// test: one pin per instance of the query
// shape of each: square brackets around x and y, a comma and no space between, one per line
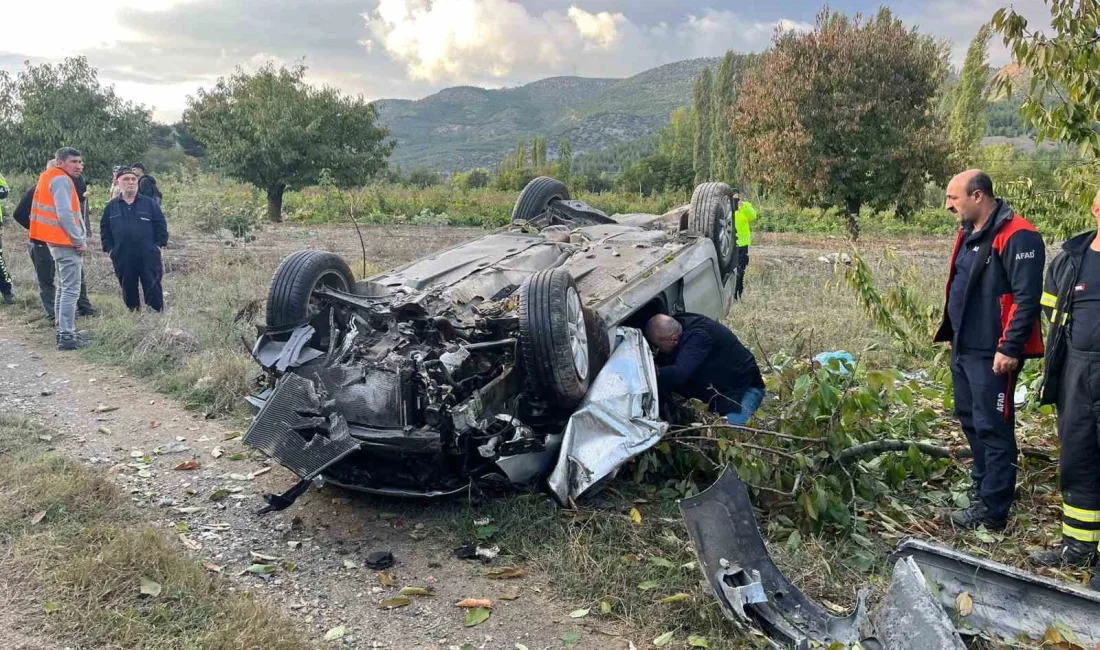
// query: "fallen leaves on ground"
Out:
[194,545]
[51,606]
[263,557]
[103,408]
[261,569]
[476,616]
[416,591]
[513,594]
[698,642]
[386,578]
[635,516]
[570,639]
[649,584]
[149,588]
[605,607]
[674,598]
[187,465]
[506,573]
[210,566]
[396,601]
[37,519]
[664,639]
[336,633]
[964,604]
[578,613]
[475,602]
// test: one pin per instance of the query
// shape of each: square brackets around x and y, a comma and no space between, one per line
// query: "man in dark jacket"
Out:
[132,230]
[1071,381]
[43,263]
[147,185]
[990,320]
[5,279]
[705,361]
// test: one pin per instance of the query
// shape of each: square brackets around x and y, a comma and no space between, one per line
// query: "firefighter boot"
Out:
[1072,553]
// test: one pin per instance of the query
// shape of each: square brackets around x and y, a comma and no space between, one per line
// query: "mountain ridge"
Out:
[462,127]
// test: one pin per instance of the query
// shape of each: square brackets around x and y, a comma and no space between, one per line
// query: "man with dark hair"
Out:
[39,253]
[990,320]
[56,220]
[1071,300]
[147,185]
[705,361]
[132,230]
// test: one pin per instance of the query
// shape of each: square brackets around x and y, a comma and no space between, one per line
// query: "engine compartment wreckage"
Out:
[918,612]
[515,358]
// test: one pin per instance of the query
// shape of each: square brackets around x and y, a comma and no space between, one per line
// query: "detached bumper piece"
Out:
[751,590]
[1008,604]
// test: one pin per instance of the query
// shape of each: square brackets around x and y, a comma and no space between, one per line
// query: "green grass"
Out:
[76,553]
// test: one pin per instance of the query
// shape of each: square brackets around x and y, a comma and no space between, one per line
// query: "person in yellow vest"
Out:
[742,219]
[56,219]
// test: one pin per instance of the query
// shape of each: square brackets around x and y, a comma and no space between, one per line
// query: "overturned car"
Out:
[469,363]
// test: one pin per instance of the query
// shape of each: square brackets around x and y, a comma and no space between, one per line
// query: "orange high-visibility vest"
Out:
[45,226]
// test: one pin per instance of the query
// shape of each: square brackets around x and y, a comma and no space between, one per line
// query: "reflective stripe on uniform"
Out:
[1054,316]
[41,207]
[1080,534]
[1080,514]
[1048,299]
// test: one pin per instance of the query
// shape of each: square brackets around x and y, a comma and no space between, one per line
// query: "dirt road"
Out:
[111,422]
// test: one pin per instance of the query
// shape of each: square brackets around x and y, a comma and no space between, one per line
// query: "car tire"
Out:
[536,197]
[288,299]
[553,338]
[711,216]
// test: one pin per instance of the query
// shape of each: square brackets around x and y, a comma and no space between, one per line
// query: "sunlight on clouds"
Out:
[600,29]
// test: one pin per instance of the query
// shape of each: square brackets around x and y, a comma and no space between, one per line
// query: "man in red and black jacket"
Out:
[991,321]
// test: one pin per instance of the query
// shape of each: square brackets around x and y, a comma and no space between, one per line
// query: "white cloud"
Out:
[600,29]
[485,41]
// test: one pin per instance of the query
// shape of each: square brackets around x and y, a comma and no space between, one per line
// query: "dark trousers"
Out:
[5,279]
[742,264]
[139,267]
[44,269]
[1079,434]
[984,406]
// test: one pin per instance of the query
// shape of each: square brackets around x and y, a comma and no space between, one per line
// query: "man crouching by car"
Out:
[701,359]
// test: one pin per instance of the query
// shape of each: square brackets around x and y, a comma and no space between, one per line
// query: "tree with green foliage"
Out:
[703,108]
[1065,64]
[676,140]
[272,130]
[876,140]
[538,154]
[48,106]
[723,166]
[967,124]
[565,159]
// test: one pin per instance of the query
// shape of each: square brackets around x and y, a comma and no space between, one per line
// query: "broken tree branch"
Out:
[762,432]
[883,446]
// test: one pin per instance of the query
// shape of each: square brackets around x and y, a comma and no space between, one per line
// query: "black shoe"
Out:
[71,342]
[88,312]
[1072,553]
[9,299]
[976,516]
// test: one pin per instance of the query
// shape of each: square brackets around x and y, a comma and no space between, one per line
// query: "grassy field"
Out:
[795,306]
[81,565]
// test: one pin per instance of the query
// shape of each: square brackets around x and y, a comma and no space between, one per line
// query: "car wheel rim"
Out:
[726,230]
[578,337]
[331,280]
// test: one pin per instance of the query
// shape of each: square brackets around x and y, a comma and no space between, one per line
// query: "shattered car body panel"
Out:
[617,420]
[752,591]
[423,365]
[1008,604]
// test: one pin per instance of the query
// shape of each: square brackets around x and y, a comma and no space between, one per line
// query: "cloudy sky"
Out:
[156,52]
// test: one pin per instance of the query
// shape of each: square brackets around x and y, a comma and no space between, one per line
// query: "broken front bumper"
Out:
[1008,604]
